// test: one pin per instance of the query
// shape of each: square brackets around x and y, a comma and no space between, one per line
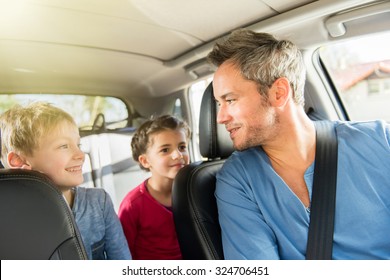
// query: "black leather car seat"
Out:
[193,202]
[36,222]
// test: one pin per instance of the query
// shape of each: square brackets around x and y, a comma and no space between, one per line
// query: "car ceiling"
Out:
[142,48]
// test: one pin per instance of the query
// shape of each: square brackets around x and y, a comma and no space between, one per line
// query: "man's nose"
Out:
[222,116]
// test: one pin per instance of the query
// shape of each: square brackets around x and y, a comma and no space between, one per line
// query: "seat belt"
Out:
[322,209]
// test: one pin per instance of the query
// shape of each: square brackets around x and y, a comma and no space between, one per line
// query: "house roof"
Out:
[348,77]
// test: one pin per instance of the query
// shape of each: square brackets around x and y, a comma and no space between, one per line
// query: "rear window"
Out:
[360,71]
[86,110]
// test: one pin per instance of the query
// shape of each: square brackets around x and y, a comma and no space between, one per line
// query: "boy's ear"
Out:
[142,159]
[16,161]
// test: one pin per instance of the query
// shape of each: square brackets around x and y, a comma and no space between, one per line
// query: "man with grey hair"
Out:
[264,189]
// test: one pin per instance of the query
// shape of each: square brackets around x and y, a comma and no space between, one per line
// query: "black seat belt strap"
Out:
[322,209]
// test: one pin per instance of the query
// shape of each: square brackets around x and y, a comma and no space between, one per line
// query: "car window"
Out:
[195,92]
[360,71]
[84,109]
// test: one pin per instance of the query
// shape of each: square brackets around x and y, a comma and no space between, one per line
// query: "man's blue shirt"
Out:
[261,218]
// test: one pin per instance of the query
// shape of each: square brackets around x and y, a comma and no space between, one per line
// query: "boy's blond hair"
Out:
[22,128]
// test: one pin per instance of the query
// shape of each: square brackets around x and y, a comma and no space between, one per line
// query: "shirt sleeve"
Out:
[116,245]
[245,234]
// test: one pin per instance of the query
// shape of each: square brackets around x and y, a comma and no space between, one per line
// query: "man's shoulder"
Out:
[243,159]
[367,138]
[374,127]
[245,154]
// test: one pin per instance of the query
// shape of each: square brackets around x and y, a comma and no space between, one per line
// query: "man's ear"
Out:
[15,160]
[143,160]
[280,92]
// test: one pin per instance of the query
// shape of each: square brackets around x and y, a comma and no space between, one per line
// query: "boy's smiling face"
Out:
[59,156]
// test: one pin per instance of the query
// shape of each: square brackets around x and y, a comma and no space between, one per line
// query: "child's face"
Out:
[59,156]
[167,154]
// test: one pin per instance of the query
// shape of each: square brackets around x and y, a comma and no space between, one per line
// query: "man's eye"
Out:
[230,101]
[65,146]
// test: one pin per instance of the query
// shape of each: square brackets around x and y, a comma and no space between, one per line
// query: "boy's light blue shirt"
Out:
[99,225]
[261,218]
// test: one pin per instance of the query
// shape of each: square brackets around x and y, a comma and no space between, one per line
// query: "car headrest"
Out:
[214,139]
[36,221]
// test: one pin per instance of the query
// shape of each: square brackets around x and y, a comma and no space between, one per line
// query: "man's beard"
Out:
[258,136]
